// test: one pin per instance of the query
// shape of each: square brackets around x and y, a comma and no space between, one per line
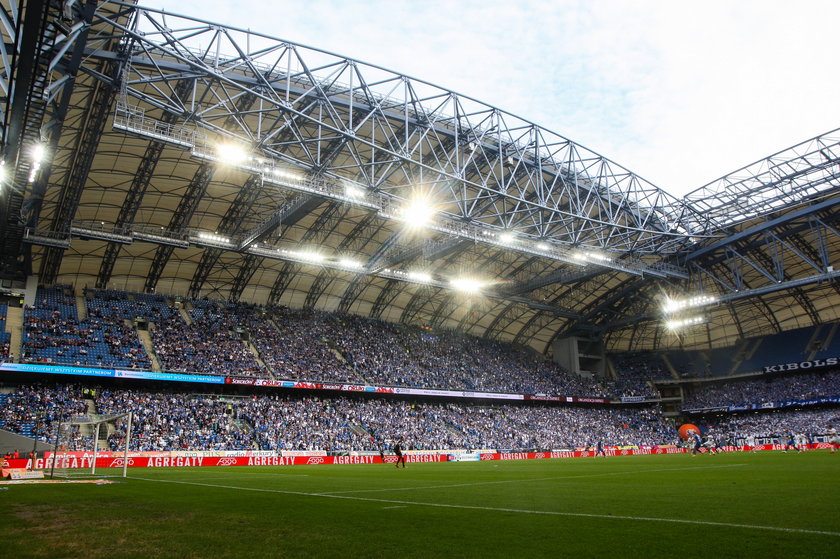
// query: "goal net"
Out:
[91,445]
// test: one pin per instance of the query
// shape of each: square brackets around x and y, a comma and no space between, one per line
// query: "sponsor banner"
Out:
[632,399]
[55,369]
[176,377]
[303,453]
[569,399]
[766,405]
[79,454]
[21,473]
[240,381]
[803,365]
[543,398]
[458,394]
[465,457]
[71,462]
[243,381]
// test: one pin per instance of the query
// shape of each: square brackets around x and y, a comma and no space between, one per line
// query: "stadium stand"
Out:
[53,333]
[773,424]
[184,421]
[766,389]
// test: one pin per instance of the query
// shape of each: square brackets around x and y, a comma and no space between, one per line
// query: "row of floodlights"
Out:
[37,153]
[463,284]
[672,306]
[685,322]
[418,212]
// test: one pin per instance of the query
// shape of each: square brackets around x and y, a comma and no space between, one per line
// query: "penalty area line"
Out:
[508,510]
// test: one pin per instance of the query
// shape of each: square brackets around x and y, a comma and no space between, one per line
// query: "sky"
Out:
[680,93]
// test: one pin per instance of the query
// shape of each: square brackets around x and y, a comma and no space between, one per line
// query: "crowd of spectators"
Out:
[803,386]
[213,343]
[772,424]
[167,421]
[288,344]
[339,347]
[34,410]
[634,373]
[180,421]
[53,333]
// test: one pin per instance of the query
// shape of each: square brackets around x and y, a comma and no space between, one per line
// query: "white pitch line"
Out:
[502,509]
[395,507]
[524,480]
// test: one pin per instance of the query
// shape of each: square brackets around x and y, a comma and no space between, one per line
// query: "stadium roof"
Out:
[194,159]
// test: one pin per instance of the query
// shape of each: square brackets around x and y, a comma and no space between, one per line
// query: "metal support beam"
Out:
[180,219]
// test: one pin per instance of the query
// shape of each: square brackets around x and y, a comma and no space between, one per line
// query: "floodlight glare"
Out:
[543,246]
[38,153]
[313,257]
[420,277]
[466,285]
[348,263]
[353,192]
[671,306]
[231,154]
[507,237]
[418,212]
[685,322]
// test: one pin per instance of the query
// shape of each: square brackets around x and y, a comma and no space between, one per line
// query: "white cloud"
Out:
[679,92]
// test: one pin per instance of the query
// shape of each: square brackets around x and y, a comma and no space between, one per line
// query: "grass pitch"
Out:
[733,505]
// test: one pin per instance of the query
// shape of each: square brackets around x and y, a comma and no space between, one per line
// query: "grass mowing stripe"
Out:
[508,510]
[471,484]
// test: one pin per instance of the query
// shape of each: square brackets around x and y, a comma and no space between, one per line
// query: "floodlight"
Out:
[671,306]
[507,237]
[543,246]
[215,237]
[685,322]
[348,263]
[418,212]
[39,152]
[467,285]
[231,154]
[420,277]
[310,256]
[353,192]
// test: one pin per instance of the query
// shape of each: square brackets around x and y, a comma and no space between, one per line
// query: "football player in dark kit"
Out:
[400,457]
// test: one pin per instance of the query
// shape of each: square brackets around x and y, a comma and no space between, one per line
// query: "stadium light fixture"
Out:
[590,256]
[507,238]
[311,256]
[231,153]
[466,285]
[418,212]
[353,192]
[543,246]
[215,237]
[39,153]
[672,306]
[420,277]
[350,263]
[685,322]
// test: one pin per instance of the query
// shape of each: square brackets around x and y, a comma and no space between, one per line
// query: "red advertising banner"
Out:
[85,460]
[74,462]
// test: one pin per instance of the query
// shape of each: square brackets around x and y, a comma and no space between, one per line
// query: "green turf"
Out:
[735,505]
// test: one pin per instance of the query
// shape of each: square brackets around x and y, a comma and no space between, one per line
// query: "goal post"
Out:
[81,439]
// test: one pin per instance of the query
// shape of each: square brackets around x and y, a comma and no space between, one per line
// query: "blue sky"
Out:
[680,93]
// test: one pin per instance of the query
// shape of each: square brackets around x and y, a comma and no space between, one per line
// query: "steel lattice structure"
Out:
[133,104]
